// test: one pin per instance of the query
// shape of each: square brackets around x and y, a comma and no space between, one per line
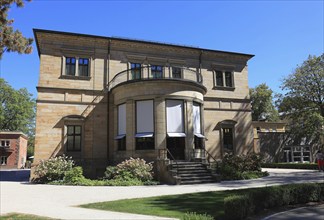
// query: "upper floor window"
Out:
[74,137]
[156,71]
[136,70]
[176,72]
[224,79]
[70,66]
[219,78]
[83,67]
[75,66]
[5,143]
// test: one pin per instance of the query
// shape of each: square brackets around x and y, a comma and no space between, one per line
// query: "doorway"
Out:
[176,146]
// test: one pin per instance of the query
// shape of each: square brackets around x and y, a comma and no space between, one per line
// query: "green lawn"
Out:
[17,216]
[174,206]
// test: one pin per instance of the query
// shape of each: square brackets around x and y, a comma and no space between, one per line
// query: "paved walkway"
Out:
[60,201]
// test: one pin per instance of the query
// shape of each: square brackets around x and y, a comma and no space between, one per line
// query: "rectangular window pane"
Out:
[156,71]
[122,144]
[83,67]
[175,116]
[144,116]
[70,143]
[219,78]
[176,72]
[77,143]
[228,79]
[136,70]
[122,119]
[77,129]
[70,130]
[196,119]
[70,66]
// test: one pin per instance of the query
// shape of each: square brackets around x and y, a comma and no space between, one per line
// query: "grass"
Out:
[18,216]
[174,206]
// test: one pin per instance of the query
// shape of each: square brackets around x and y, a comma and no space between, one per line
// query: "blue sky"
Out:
[281,34]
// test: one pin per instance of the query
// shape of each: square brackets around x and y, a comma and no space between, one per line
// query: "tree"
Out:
[17,109]
[303,103]
[10,40]
[262,105]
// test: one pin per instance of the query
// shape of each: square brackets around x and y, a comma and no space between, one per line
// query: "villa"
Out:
[104,99]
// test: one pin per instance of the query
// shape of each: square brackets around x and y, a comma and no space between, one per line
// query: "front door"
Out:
[176,146]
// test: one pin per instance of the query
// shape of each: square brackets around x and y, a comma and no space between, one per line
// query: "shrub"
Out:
[53,169]
[237,206]
[131,169]
[237,167]
[75,177]
[195,216]
[256,200]
[308,166]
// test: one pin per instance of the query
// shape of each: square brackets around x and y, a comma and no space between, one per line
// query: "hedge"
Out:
[308,166]
[256,200]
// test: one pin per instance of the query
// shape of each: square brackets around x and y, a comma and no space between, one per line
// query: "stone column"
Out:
[130,128]
[189,129]
[160,124]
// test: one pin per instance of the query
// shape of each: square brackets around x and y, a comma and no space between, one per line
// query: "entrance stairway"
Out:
[192,173]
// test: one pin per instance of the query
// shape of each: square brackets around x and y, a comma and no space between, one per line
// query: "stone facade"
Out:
[217,81]
[13,149]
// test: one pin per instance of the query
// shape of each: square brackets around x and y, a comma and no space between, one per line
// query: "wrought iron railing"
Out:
[165,153]
[206,155]
[153,73]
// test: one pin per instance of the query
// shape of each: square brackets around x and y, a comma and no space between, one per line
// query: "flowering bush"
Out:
[235,167]
[131,169]
[53,169]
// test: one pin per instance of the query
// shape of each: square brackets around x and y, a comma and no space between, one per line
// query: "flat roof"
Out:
[35,30]
[14,133]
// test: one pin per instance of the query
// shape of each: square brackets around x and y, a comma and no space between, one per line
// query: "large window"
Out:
[144,125]
[224,79]
[136,70]
[156,71]
[3,160]
[175,129]
[75,66]
[199,137]
[4,143]
[228,138]
[121,137]
[74,135]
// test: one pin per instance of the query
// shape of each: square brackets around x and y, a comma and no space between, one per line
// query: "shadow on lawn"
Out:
[211,203]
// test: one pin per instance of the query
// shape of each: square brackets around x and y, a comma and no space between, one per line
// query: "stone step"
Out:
[187,182]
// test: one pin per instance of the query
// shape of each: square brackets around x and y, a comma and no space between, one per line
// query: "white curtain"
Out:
[175,116]
[144,117]
[196,118]
[122,119]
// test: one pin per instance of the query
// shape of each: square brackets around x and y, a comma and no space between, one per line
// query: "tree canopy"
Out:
[262,105]
[17,109]
[12,40]
[303,103]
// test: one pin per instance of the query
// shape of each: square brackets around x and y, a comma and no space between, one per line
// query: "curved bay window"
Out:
[136,70]
[198,136]
[121,137]
[144,125]
[175,129]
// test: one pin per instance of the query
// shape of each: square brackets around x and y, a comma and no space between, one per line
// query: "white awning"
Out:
[176,135]
[142,135]
[200,135]
[120,136]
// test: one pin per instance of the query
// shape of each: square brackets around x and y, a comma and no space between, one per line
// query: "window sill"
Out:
[75,77]
[224,88]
